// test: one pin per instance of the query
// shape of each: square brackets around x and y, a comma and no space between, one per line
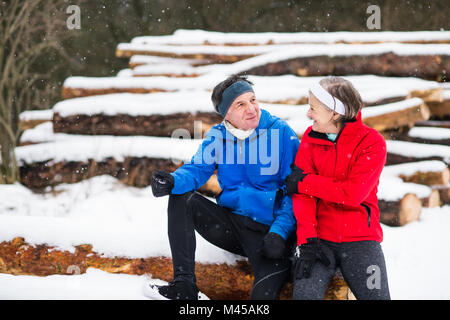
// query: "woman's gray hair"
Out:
[346,92]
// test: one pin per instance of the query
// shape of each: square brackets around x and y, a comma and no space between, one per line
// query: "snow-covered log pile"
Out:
[121,126]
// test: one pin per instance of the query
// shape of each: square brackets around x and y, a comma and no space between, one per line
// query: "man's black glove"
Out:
[274,246]
[306,257]
[162,183]
[293,179]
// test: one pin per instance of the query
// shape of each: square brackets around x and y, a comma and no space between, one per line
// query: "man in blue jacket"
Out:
[252,152]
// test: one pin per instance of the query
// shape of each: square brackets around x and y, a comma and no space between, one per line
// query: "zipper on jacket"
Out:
[367,208]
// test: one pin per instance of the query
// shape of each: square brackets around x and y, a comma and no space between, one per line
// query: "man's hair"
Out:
[346,92]
[216,96]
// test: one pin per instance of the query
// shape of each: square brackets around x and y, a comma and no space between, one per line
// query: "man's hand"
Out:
[293,179]
[306,257]
[274,246]
[162,183]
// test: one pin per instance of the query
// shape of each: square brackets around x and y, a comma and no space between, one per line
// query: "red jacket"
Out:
[338,198]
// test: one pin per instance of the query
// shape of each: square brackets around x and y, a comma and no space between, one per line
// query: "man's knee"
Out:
[181,202]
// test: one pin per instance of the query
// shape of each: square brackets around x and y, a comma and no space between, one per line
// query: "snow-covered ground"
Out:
[133,224]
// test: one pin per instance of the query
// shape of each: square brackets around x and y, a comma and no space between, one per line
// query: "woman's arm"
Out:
[305,206]
[362,178]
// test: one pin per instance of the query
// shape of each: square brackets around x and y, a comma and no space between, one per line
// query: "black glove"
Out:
[293,179]
[274,246]
[306,257]
[162,183]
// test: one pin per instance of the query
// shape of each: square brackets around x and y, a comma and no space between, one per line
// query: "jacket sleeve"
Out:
[362,178]
[195,174]
[305,206]
[284,220]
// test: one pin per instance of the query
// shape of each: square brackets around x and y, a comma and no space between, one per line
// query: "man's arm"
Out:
[195,174]
[284,220]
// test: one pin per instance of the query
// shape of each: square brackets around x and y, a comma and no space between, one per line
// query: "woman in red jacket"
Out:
[334,185]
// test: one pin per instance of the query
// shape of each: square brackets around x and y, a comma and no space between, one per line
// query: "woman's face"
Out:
[324,118]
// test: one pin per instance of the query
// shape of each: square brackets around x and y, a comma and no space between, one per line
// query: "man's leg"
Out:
[314,287]
[364,269]
[270,274]
[191,211]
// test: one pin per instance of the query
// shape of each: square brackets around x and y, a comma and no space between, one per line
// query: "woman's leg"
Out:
[364,269]
[314,287]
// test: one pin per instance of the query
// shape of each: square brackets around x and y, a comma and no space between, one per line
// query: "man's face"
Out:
[244,112]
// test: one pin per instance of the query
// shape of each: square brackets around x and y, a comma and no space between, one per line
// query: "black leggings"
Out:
[363,268]
[232,232]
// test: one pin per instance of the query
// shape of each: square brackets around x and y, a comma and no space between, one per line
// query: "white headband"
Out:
[327,99]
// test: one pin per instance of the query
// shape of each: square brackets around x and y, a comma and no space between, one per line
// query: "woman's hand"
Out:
[293,179]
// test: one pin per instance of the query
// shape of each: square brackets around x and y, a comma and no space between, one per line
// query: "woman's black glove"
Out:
[162,183]
[306,257]
[274,246]
[293,179]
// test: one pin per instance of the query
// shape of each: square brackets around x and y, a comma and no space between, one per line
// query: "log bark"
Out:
[214,58]
[125,125]
[399,213]
[217,281]
[444,193]
[430,67]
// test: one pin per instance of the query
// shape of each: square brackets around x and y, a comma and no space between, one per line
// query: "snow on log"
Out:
[199,37]
[428,135]
[397,114]
[277,89]
[30,119]
[401,202]
[402,151]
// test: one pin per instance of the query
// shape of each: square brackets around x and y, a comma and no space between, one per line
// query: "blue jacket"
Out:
[249,171]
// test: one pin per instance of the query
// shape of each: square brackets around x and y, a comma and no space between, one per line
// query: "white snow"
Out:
[36,115]
[429,133]
[268,89]
[391,107]
[392,188]
[184,36]
[418,150]
[126,221]
[84,147]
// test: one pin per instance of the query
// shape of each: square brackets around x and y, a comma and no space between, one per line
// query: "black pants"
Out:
[231,232]
[363,268]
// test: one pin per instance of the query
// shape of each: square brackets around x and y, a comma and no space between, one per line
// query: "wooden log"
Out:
[217,281]
[396,115]
[444,193]
[432,201]
[426,135]
[440,109]
[399,213]
[403,151]
[124,124]
[431,67]
[433,123]
[423,172]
